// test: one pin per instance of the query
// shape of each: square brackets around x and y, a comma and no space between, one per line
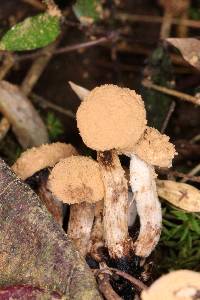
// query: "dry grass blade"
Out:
[189,48]
[180,194]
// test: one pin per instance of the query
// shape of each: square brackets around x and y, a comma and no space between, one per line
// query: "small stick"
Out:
[168,116]
[45,103]
[154,19]
[37,68]
[68,48]
[106,288]
[194,171]
[181,175]
[6,66]
[171,92]
[136,282]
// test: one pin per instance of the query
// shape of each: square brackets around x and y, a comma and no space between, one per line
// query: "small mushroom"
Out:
[33,166]
[77,181]
[113,120]
[177,285]
[153,149]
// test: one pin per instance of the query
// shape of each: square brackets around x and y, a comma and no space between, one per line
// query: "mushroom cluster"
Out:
[112,121]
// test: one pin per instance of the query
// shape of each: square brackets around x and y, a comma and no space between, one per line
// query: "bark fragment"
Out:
[34,250]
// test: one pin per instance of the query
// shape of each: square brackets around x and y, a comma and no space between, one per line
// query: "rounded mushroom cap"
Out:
[111,117]
[155,148]
[177,285]
[76,179]
[38,158]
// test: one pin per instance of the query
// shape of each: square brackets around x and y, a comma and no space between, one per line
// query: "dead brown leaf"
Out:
[189,48]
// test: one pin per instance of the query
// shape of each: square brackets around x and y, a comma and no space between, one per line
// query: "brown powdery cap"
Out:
[76,179]
[155,148]
[177,285]
[38,158]
[111,117]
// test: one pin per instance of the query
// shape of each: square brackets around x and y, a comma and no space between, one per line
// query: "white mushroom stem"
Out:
[115,205]
[80,225]
[142,180]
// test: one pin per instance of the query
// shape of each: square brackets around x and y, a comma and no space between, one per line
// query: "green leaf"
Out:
[88,11]
[54,126]
[34,32]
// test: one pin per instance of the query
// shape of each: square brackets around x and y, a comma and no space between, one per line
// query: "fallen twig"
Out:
[154,19]
[187,177]
[8,62]
[194,171]
[135,282]
[47,104]
[38,67]
[171,92]
[69,48]
[106,288]
[168,116]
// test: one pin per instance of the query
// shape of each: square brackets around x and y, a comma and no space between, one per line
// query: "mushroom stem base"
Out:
[80,225]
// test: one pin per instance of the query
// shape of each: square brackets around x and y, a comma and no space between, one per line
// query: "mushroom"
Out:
[153,149]
[76,180]
[33,167]
[177,285]
[112,120]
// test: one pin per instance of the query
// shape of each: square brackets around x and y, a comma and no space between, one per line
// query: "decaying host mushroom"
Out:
[77,181]
[110,118]
[33,166]
[177,285]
